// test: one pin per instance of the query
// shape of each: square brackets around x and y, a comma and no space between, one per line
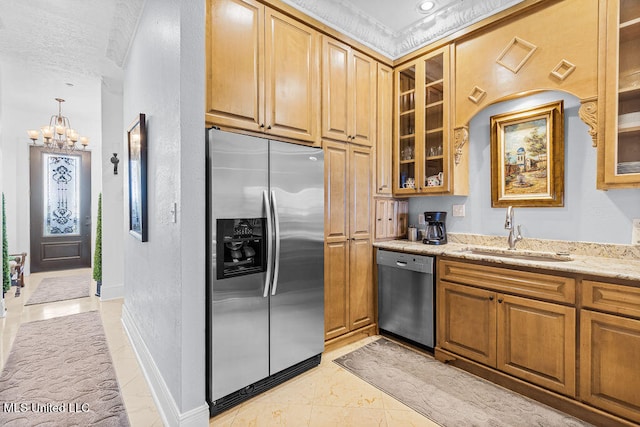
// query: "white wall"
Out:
[164,278]
[28,102]
[113,214]
[588,214]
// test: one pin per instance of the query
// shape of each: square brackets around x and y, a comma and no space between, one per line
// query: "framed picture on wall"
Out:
[527,157]
[137,148]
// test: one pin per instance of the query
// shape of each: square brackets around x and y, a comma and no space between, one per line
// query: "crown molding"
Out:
[450,16]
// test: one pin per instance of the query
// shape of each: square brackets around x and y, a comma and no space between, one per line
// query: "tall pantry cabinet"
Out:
[348,260]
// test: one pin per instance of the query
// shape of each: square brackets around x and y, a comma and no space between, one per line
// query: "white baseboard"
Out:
[169,412]
[109,292]
[2,308]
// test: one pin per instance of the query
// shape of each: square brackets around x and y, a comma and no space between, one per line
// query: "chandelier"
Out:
[59,136]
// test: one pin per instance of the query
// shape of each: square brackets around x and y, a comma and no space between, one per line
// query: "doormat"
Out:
[446,395]
[53,289]
[60,373]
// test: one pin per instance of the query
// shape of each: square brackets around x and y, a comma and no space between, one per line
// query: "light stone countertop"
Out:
[625,267]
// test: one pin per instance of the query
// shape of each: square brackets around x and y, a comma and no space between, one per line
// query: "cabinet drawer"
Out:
[612,298]
[542,286]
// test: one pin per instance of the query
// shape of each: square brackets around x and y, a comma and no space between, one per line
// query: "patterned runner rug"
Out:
[60,288]
[59,373]
[445,394]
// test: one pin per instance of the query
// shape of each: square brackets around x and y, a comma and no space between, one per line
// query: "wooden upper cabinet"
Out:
[424,157]
[619,150]
[292,85]
[235,69]
[349,94]
[384,141]
[263,71]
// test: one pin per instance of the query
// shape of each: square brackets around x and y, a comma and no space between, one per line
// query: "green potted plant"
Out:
[97,256]
[6,277]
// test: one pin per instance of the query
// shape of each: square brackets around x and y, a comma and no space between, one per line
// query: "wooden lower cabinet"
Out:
[610,363]
[529,339]
[537,342]
[467,321]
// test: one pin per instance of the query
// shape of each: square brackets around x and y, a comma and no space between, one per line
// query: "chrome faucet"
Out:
[509,225]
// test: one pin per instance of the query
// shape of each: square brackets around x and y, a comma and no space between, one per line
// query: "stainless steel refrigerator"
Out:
[265,279]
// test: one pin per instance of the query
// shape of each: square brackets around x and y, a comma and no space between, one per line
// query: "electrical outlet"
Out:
[635,232]
[421,220]
[458,210]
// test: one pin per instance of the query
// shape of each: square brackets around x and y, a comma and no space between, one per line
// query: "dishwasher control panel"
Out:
[419,263]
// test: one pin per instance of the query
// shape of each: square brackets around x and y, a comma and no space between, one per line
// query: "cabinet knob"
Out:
[490,297]
[269,127]
[500,300]
[262,125]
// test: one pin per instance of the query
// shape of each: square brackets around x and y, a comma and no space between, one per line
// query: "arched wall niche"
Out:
[531,53]
[587,113]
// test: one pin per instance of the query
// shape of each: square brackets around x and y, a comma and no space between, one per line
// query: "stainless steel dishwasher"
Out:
[406,296]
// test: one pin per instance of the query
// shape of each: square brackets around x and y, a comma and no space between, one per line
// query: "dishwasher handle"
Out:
[404,261]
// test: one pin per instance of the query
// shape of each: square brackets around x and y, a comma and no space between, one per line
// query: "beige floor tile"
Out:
[407,418]
[141,408]
[332,416]
[324,396]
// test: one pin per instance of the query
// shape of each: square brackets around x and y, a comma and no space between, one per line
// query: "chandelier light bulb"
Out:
[59,136]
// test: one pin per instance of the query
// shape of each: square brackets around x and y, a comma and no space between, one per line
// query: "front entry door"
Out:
[60,210]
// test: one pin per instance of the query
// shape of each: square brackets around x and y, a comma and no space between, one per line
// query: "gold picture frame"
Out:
[527,157]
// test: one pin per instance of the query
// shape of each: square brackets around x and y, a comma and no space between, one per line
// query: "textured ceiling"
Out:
[395,27]
[92,37]
[87,37]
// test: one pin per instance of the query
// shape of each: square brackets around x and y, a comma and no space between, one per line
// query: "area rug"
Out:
[59,373]
[53,289]
[446,395]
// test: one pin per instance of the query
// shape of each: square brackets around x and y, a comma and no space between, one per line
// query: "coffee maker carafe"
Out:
[436,232]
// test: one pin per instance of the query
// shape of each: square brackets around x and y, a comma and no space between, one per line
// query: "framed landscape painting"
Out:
[527,157]
[137,147]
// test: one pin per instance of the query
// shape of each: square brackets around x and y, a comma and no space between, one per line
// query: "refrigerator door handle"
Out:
[267,208]
[276,221]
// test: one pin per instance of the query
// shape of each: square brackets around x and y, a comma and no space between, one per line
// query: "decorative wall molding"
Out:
[460,137]
[450,16]
[477,94]
[516,54]
[588,112]
[563,69]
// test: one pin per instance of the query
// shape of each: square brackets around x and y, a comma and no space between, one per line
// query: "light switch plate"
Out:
[458,210]
[421,220]
[635,233]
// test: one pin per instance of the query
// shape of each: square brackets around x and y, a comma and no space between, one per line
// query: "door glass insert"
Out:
[241,247]
[61,195]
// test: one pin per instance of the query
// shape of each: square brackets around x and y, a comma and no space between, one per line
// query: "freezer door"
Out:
[297,296]
[238,310]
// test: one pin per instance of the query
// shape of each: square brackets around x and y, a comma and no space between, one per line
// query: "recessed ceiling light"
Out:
[425,6]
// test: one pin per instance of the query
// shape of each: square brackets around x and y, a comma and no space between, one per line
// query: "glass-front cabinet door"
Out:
[407,168]
[421,143]
[435,126]
[622,96]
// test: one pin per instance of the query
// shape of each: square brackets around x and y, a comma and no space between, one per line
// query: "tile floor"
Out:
[141,408]
[324,396]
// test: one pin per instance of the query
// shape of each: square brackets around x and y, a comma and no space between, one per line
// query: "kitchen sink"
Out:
[521,254]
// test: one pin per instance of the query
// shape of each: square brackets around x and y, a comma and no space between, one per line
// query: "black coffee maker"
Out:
[436,232]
